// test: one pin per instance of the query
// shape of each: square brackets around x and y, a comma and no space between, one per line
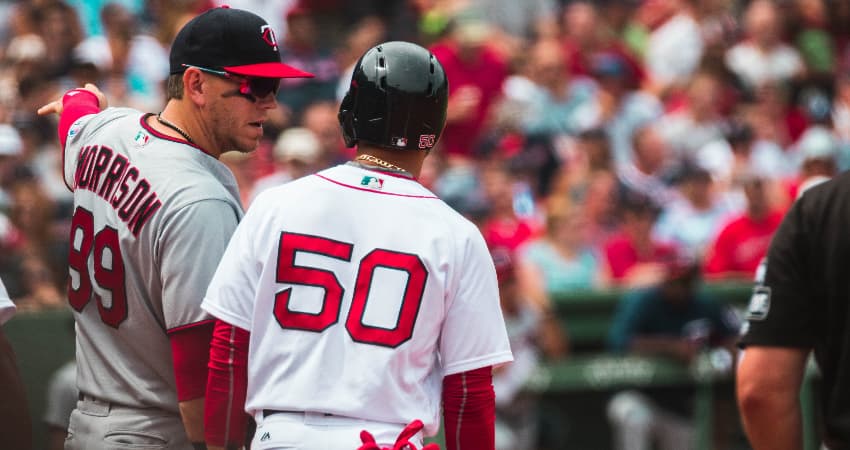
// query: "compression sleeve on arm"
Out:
[224,416]
[190,351]
[469,410]
[76,103]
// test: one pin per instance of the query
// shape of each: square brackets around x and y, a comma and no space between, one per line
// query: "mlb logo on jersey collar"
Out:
[372,182]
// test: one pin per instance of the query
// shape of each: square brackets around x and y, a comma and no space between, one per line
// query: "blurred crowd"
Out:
[591,139]
[593,142]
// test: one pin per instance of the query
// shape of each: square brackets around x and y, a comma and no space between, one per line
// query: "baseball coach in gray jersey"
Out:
[153,211]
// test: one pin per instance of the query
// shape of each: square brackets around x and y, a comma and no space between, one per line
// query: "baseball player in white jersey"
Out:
[153,211]
[360,298]
[15,427]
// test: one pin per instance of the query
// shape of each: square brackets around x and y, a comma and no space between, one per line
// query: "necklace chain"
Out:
[179,130]
[378,161]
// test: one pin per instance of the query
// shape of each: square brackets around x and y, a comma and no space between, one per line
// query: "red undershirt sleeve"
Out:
[469,410]
[76,103]
[190,351]
[225,419]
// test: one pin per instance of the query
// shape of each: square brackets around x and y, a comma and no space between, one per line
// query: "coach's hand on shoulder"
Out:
[55,107]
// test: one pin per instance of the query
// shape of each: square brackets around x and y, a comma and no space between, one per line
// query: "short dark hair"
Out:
[174,87]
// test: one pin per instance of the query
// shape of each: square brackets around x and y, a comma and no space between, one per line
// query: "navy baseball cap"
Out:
[233,41]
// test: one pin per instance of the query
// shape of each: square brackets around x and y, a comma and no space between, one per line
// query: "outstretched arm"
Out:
[74,104]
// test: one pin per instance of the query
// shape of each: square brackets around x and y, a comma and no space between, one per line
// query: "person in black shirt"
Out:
[800,304]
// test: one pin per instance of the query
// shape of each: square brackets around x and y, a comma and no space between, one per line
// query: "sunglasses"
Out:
[253,89]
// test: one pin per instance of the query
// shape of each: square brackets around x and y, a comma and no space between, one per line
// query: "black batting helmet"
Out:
[397,98]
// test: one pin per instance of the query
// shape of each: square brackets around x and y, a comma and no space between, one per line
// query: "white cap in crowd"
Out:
[297,144]
[10,141]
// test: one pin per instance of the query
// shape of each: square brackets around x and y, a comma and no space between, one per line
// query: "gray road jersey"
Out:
[152,217]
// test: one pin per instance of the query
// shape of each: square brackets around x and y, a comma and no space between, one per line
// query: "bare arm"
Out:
[15,426]
[768,389]
[554,340]
[57,107]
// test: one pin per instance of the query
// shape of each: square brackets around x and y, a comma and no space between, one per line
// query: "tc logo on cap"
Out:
[268,36]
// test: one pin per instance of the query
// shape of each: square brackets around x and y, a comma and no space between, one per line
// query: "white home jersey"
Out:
[152,216]
[361,291]
[7,308]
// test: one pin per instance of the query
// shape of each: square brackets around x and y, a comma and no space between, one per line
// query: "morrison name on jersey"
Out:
[111,176]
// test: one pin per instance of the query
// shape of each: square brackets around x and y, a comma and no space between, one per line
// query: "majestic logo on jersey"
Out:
[427,140]
[268,36]
[372,182]
[759,303]
[266,436]
[75,128]
[142,138]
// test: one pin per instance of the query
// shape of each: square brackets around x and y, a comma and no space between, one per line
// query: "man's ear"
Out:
[193,86]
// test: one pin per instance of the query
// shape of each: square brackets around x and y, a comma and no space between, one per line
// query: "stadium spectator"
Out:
[559,105]
[743,241]
[477,72]
[649,171]
[762,57]
[691,220]
[818,150]
[633,257]
[302,46]
[534,336]
[320,118]
[586,36]
[671,319]
[812,38]
[623,109]
[134,62]
[503,228]
[559,261]
[521,22]
[296,153]
[589,154]
[697,122]
[674,48]
[59,27]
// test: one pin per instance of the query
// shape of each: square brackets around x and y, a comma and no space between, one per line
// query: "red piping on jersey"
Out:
[374,191]
[144,122]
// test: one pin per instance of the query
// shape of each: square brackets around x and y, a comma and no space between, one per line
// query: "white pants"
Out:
[98,425]
[317,431]
[637,422]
